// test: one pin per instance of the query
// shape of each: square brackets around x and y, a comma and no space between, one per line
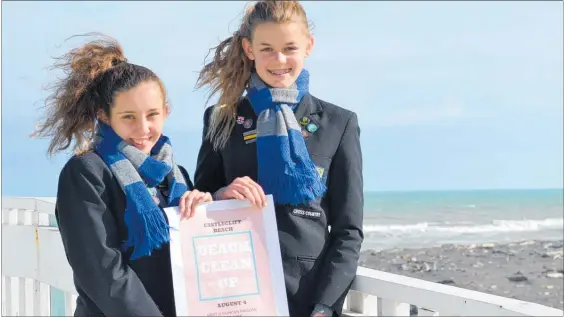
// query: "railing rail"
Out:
[37,279]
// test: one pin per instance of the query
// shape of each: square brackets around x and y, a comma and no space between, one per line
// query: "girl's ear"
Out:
[103,117]
[309,46]
[166,110]
[248,49]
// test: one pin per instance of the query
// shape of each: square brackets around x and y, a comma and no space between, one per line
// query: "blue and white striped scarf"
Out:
[138,174]
[285,168]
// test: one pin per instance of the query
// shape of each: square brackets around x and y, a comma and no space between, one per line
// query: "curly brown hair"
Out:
[229,71]
[94,74]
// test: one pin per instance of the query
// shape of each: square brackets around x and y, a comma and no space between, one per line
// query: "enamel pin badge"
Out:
[311,127]
[248,123]
[308,127]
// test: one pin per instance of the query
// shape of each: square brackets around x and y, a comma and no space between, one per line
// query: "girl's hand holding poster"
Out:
[226,261]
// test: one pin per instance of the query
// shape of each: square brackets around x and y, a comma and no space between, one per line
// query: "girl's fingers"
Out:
[249,195]
[258,193]
[234,194]
[188,204]
[197,200]
[182,203]
[208,197]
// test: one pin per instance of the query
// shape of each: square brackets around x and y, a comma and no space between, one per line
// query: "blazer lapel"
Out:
[307,108]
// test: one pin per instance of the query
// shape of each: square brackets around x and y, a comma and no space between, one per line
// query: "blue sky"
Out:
[450,95]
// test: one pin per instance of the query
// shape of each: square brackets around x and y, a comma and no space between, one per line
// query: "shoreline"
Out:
[527,270]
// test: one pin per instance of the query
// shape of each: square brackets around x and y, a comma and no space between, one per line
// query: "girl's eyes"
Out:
[268,49]
[130,116]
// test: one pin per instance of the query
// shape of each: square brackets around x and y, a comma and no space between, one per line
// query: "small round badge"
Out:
[304,121]
[311,128]
[248,123]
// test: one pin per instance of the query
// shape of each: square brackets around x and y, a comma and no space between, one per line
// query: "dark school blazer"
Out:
[319,263]
[90,214]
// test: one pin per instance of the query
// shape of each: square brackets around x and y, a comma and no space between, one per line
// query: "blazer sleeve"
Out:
[186,177]
[346,200]
[209,175]
[90,237]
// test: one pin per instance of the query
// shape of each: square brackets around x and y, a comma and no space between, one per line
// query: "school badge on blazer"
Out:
[321,173]
[248,123]
[250,136]
[304,121]
[311,127]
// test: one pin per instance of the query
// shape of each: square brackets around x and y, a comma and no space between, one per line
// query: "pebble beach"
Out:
[526,270]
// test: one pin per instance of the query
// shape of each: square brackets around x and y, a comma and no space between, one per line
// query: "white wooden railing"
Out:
[37,279]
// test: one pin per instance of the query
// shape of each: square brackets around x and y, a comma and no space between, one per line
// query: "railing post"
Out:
[389,307]
[362,303]
[6,296]
[69,304]
[6,280]
[36,284]
[21,280]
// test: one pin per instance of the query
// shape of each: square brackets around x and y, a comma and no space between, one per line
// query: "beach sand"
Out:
[529,270]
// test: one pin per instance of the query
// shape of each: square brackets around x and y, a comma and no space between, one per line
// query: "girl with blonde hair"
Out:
[269,135]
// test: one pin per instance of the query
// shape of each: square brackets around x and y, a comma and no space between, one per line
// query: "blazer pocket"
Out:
[305,258]
[305,264]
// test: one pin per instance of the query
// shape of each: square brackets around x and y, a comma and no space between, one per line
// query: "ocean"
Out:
[420,219]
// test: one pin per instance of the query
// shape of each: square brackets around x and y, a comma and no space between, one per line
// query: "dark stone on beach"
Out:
[413,311]
[517,277]
[447,281]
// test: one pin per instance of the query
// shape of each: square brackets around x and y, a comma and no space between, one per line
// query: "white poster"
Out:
[226,261]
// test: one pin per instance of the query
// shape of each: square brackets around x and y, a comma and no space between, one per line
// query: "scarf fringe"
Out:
[289,175]
[147,230]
